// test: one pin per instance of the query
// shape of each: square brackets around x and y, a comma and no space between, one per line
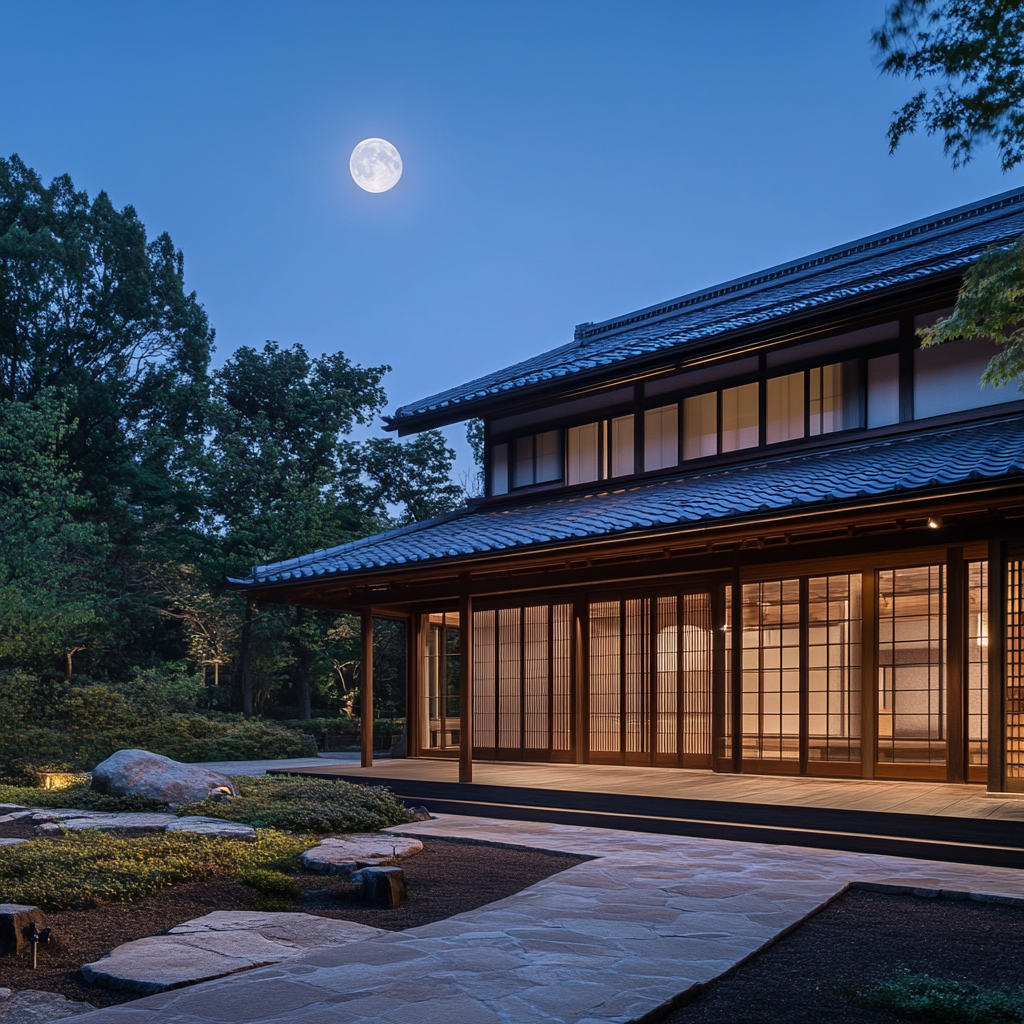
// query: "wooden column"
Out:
[956,648]
[465,687]
[869,673]
[737,671]
[366,701]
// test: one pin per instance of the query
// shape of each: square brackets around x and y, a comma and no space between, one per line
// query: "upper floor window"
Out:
[538,459]
[661,437]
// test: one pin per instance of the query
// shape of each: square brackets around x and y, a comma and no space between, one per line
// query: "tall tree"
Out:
[969,55]
[51,587]
[282,475]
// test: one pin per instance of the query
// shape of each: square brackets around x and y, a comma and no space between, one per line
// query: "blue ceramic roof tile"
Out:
[938,459]
[912,252]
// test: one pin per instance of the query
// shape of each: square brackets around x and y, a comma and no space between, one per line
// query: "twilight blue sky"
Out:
[564,161]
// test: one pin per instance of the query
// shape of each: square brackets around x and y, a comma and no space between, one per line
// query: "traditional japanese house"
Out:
[756,528]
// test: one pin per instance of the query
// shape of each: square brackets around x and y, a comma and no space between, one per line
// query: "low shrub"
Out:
[923,997]
[91,868]
[306,805]
[81,723]
[79,796]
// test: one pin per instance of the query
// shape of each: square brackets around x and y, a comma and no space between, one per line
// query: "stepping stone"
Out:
[32,1007]
[220,943]
[341,855]
[107,821]
[213,827]
[12,842]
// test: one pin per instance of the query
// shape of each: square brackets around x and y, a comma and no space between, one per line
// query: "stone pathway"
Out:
[218,944]
[33,1007]
[609,940]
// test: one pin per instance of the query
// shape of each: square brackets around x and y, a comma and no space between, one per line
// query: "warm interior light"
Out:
[934,523]
[982,630]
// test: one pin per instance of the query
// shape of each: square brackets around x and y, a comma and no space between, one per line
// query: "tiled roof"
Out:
[909,253]
[902,465]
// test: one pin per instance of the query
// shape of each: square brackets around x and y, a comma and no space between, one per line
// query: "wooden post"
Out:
[869,673]
[465,687]
[366,725]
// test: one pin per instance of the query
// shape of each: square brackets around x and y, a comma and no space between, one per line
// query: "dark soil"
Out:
[16,830]
[448,877]
[860,940]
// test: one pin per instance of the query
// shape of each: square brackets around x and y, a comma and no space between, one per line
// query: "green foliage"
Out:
[972,51]
[990,305]
[306,805]
[922,997]
[50,560]
[82,724]
[91,868]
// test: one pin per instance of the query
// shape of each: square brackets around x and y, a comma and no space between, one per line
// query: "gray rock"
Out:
[417,813]
[158,778]
[32,1007]
[382,887]
[218,944]
[5,993]
[16,920]
[48,828]
[4,808]
[12,842]
[212,827]
[341,855]
[43,816]
[18,815]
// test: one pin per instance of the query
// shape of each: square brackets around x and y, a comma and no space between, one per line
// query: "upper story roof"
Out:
[911,253]
[938,460]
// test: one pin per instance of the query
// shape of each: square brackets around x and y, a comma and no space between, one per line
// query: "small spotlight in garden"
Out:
[35,936]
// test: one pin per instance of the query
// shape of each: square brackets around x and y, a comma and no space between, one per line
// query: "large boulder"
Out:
[159,778]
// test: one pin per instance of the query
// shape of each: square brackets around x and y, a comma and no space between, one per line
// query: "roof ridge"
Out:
[867,243]
[914,250]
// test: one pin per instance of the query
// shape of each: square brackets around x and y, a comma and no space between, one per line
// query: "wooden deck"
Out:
[920,819]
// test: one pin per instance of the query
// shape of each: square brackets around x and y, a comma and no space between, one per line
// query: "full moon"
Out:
[376,165]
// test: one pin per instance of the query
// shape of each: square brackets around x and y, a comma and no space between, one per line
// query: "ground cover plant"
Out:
[924,997]
[92,868]
[305,805]
[78,796]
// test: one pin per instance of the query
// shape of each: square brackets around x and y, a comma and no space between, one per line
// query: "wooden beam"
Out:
[366,697]
[466,688]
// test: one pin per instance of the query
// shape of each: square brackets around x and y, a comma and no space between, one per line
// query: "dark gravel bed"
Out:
[859,940]
[448,877]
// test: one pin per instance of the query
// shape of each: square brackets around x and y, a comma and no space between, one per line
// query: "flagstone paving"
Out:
[609,940]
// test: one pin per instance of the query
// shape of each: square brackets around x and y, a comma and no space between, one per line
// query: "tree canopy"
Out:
[969,56]
[134,476]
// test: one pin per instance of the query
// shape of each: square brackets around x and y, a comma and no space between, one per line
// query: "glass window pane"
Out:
[835,403]
[785,400]
[522,469]
[622,445]
[833,669]
[661,437]
[739,418]
[499,469]
[605,677]
[771,671]
[884,390]
[700,426]
[912,665]
[581,454]
[977,662]
[549,456]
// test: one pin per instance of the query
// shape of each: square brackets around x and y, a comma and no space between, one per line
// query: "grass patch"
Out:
[923,997]
[306,805]
[91,868]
